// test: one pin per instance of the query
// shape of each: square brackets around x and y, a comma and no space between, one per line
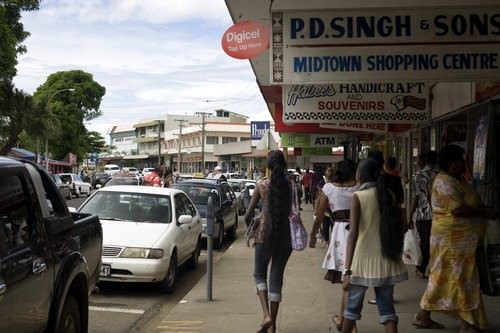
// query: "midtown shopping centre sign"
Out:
[423,44]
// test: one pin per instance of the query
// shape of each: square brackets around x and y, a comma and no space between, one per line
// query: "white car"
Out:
[239,186]
[77,185]
[148,232]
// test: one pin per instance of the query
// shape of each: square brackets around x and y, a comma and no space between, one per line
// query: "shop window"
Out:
[228,139]
[212,140]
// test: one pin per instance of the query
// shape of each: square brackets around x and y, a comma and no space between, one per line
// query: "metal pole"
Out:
[210,241]
[203,142]
[159,142]
[179,154]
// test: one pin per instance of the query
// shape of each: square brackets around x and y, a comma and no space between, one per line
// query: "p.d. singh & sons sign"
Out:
[355,102]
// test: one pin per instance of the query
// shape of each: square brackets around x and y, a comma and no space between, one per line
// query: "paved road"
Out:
[125,307]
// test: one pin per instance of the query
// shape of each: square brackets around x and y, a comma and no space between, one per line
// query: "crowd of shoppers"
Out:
[365,245]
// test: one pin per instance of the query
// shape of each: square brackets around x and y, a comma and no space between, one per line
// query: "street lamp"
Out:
[47,138]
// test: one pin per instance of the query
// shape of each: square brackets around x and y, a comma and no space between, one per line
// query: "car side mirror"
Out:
[185,219]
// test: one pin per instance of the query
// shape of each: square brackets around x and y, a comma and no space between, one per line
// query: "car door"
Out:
[5,297]
[194,227]
[227,205]
[27,269]
[183,229]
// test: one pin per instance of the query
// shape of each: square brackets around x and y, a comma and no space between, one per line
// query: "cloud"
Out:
[152,56]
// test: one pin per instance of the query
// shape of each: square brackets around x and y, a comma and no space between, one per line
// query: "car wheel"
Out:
[193,261]
[231,234]
[69,322]
[220,236]
[77,193]
[168,283]
[70,195]
[90,190]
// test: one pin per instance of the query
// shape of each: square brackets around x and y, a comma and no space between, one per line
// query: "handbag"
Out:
[251,231]
[411,251]
[298,232]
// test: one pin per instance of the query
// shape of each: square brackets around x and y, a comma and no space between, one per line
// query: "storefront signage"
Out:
[371,103]
[245,40]
[304,140]
[363,45]
[258,129]
[379,128]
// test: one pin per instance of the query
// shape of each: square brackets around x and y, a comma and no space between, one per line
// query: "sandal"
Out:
[372,301]
[431,324]
[264,327]
[337,322]
[419,274]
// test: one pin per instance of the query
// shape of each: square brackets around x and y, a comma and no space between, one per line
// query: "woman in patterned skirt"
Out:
[457,226]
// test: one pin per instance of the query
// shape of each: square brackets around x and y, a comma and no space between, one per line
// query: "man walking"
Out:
[306,182]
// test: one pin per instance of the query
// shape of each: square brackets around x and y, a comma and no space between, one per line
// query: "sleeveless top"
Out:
[369,267]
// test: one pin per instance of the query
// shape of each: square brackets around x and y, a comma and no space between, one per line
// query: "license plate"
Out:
[105,270]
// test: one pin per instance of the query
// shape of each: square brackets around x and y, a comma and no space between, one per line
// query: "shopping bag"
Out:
[298,232]
[411,251]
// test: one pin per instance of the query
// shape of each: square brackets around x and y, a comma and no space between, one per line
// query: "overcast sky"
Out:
[153,56]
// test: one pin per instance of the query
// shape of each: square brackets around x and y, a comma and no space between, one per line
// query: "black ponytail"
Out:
[280,198]
[391,227]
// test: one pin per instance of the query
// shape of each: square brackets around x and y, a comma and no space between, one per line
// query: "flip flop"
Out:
[428,325]
[372,301]
[337,322]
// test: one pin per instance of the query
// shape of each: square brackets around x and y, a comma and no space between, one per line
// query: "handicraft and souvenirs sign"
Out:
[390,44]
[369,103]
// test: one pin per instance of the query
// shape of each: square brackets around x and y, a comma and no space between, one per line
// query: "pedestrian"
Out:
[421,188]
[394,183]
[390,166]
[317,182]
[374,248]
[272,240]
[336,197]
[175,175]
[458,224]
[154,178]
[306,183]
[168,178]
[298,181]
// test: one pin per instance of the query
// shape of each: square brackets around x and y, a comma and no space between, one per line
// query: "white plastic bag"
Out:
[411,251]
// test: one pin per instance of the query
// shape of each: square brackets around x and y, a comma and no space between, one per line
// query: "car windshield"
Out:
[66,178]
[129,207]
[199,194]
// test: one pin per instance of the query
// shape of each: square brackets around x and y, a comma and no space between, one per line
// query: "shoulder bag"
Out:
[298,232]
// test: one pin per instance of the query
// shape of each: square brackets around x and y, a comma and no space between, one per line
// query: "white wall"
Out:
[451,96]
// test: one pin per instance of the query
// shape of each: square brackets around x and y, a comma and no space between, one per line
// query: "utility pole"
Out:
[159,142]
[179,155]
[202,114]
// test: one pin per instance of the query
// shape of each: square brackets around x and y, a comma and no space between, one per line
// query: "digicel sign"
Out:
[245,40]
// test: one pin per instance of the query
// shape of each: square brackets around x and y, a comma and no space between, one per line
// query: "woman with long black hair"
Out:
[374,247]
[272,238]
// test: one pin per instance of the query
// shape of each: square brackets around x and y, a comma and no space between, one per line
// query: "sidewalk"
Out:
[308,301]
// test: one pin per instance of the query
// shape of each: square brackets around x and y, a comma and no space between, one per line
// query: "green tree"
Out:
[71,109]
[16,109]
[96,142]
[12,34]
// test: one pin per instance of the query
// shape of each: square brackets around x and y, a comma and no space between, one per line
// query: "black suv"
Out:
[225,205]
[99,179]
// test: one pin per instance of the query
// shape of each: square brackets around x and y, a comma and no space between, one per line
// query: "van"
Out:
[111,169]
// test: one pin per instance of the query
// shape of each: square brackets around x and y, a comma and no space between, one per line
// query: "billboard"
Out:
[386,44]
[258,129]
[367,103]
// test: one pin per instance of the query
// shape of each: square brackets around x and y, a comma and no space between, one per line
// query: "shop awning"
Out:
[135,157]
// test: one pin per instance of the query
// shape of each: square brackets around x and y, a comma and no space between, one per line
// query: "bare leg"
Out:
[348,325]
[274,314]
[391,326]
[267,321]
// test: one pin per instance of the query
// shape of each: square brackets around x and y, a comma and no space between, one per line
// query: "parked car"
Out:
[225,205]
[238,188]
[98,179]
[147,171]
[63,187]
[51,258]
[111,169]
[148,233]
[77,185]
